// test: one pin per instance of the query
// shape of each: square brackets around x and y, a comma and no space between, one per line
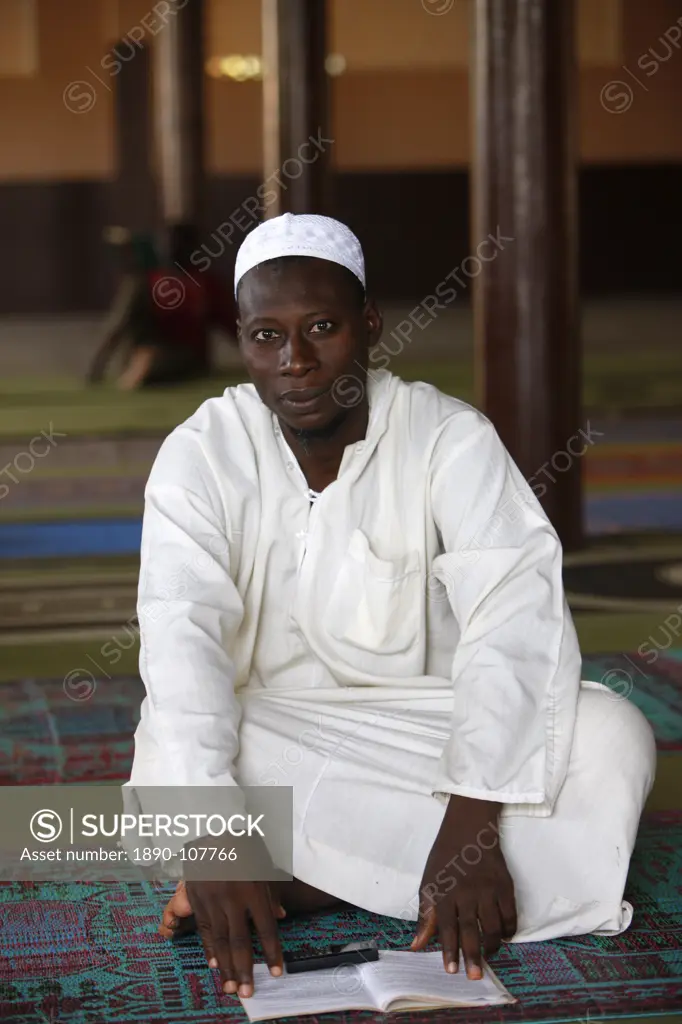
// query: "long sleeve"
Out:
[516,669]
[189,612]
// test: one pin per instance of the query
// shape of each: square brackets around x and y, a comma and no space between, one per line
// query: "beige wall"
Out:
[402,103]
[651,129]
[41,139]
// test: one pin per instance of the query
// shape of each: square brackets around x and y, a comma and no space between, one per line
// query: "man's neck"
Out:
[319,452]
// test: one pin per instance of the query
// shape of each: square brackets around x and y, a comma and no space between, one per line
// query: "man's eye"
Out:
[265,335]
[321,326]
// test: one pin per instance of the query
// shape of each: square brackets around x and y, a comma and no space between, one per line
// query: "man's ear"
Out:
[373,322]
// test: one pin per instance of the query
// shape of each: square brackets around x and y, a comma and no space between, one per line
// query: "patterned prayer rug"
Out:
[80,729]
[90,954]
[71,731]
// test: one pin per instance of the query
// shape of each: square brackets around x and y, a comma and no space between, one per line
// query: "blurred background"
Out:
[513,169]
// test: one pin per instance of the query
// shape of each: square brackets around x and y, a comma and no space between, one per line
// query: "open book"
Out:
[396,981]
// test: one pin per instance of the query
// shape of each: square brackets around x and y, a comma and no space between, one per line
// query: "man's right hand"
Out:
[223,911]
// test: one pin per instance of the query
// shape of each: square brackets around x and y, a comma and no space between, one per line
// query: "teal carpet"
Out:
[90,954]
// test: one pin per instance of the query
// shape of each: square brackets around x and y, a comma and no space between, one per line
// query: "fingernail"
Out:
[452,967]
[276,972]
[474,973]
[230,987]
[244,991]
[213,963]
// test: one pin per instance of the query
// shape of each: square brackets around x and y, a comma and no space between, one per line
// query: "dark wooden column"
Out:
[179,113]
[296,138]
[524,189]
[134,190]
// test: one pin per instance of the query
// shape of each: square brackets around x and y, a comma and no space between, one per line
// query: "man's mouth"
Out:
[303,398]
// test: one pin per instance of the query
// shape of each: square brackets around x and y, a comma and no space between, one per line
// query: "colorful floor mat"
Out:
[70,538]
[98,469]
[628,510]
[89,954]
[81,729]
[611,513]
[67,731]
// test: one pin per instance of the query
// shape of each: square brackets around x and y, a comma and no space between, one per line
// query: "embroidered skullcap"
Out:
[300,234]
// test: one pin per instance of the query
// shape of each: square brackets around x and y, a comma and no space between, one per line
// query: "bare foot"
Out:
[299,898]
[293,897]
[136,371]
[177,910]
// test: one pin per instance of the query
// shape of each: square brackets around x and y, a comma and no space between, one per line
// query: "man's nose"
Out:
[298,353]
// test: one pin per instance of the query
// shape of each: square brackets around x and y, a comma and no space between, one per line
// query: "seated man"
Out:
[165,315]
[189,304]
[347,587]
[130,323]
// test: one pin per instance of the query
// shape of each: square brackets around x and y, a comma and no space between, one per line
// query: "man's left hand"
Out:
[467,893]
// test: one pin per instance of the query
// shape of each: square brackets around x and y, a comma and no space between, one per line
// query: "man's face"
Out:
[305,338]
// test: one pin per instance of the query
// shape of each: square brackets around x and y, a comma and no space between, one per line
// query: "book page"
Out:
[401,980]
[339,988]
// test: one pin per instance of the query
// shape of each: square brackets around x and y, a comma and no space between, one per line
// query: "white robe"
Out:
[410,622]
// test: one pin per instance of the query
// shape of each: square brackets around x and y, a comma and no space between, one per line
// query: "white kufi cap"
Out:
[300,234]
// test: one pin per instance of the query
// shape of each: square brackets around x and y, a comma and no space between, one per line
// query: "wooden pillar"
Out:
[296,141]
[134,191]
[524,195]
[179,113]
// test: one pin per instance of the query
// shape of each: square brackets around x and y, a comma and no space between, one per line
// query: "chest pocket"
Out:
[375,604]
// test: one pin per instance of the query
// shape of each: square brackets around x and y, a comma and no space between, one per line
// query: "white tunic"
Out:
[412,614]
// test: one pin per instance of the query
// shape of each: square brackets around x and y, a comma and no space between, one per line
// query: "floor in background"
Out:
[67,538]
[620,325]
[45,505]
[642,382]
[97,444]
[638,576]
[90,954]
[627,511]
[121,535]
[68,731]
